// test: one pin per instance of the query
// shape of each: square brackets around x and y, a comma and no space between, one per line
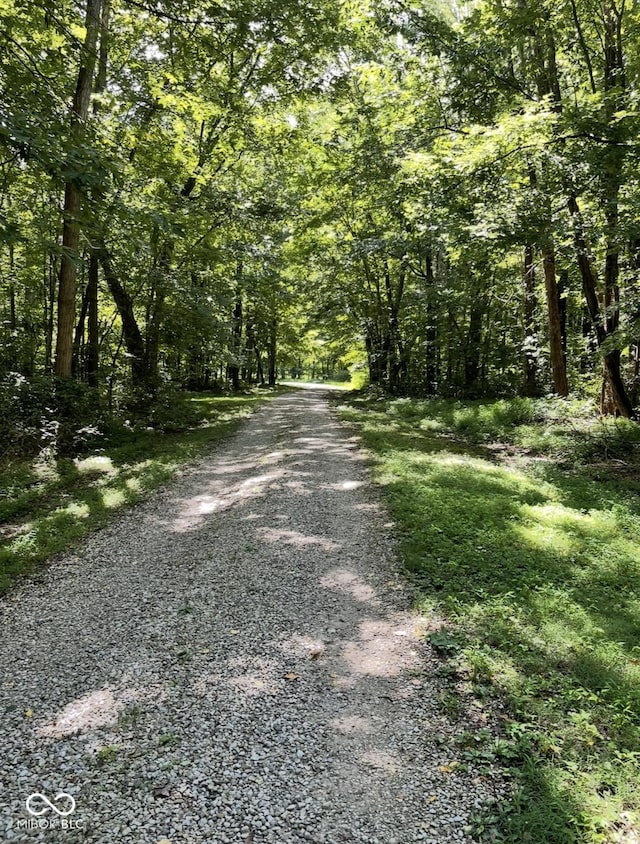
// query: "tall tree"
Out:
[73,194]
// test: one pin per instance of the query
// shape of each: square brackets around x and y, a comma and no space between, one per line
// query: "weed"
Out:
[130,716]
[444,642]
[450,704]
[107,754]
[169,740]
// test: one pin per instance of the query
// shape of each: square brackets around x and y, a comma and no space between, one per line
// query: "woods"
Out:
[437,200]
[443,198]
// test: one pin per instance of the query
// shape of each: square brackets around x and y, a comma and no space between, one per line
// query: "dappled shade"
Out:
[538,567]
[258,594]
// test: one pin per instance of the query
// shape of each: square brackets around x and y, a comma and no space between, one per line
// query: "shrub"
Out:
[47,414]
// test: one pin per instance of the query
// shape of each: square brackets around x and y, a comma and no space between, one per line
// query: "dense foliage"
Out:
[209,195]
[441,198]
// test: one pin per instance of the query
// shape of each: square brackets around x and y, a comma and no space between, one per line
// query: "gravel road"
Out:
[233,660]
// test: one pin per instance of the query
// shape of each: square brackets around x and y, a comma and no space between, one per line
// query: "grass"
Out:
[48,503]
[520,523]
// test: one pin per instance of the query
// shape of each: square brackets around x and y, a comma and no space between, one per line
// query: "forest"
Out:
[440,199]
[435,200]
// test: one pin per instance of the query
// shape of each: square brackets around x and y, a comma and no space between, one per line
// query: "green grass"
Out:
[357,382]
[520,522]
[47,504]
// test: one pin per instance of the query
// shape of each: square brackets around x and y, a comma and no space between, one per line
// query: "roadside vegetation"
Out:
[76,477]
[519,523]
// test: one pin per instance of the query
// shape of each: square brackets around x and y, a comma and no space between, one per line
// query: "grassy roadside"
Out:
[48,503]
[519,521]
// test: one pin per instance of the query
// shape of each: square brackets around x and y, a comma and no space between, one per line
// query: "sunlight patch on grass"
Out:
[131,461]
[555,515]
[139,468]
[448,459]
[45,470]
[26,542]
[78,509]
[541,534]
[564,625]
[97,463]
[536,569]
[112,498]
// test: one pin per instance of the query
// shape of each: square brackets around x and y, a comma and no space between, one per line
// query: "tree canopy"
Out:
[208,195]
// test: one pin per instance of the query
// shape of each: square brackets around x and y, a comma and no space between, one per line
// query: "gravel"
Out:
[234,660]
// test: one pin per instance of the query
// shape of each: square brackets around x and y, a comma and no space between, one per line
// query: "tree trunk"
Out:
[634,354]
[587,273]
[251,341]
[614,387]
[368,342]
[273,339]
[155,314]
[73,199]
[558,364]
[615,398]
[76,367]
[563,284]
[13,322]
[376,356]
[431,329]
[12,359]
[259,369]
[50,272]
[473,350]
[530,346]
[67,282]
[393,341]
[233,369]
[132,337]
[547,84]
[634,349]
[93,339]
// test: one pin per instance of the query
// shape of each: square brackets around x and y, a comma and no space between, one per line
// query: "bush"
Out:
[171,412]
[493,419]
[47,414]
[610,439]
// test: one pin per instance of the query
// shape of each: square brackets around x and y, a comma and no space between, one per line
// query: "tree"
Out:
[73,193]
[445,195]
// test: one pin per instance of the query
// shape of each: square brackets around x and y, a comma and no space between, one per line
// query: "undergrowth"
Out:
[519,520]
[51,499]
